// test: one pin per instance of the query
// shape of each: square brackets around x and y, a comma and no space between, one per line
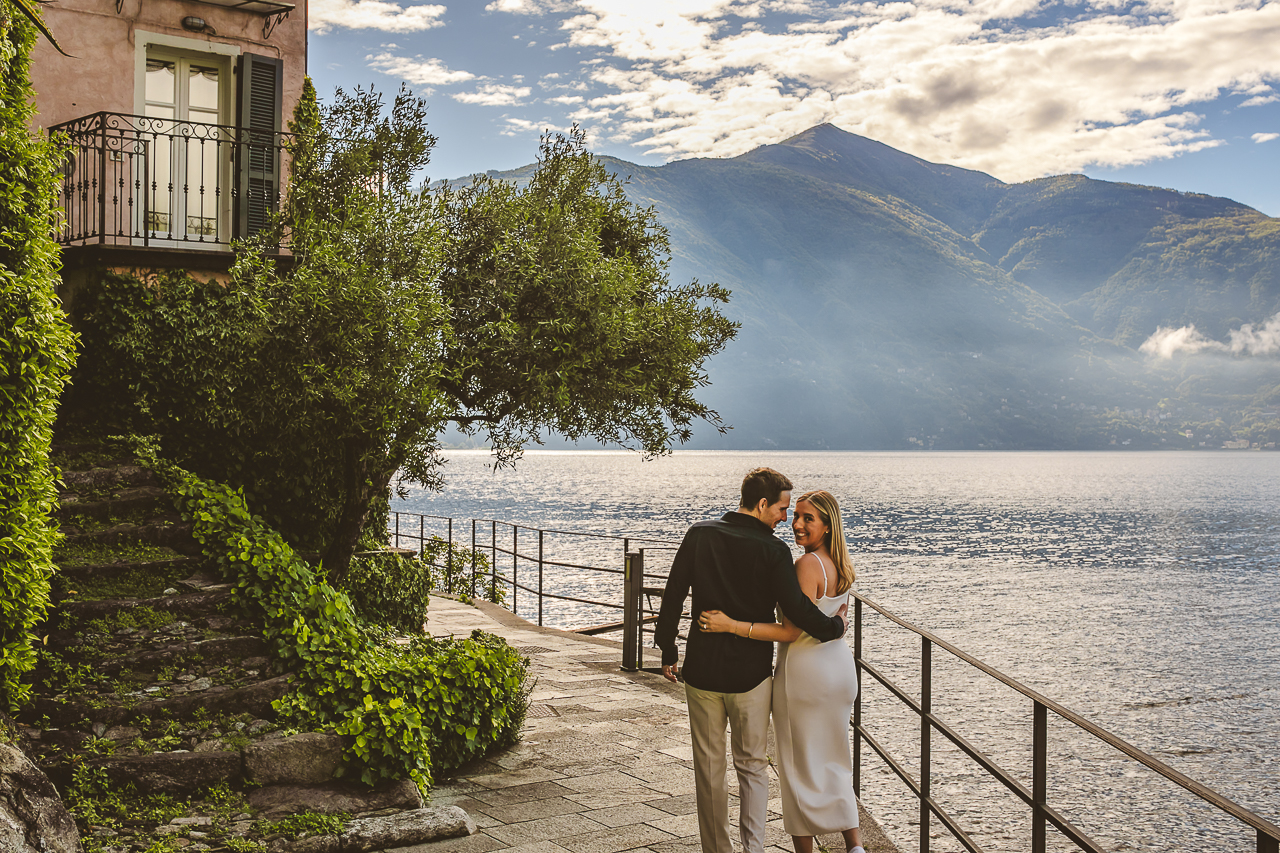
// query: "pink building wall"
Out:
[101,75]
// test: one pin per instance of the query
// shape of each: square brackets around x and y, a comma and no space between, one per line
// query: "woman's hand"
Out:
[715,622]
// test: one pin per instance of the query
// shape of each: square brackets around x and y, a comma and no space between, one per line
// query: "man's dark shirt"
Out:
[736,565]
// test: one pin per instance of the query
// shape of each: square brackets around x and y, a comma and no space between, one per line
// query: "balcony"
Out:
[139,183]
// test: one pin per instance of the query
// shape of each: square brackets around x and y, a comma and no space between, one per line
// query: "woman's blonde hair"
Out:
[829,510]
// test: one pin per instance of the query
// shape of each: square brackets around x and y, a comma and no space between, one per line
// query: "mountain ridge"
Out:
[891,302]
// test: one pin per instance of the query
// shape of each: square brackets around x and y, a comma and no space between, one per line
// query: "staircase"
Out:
[152,684]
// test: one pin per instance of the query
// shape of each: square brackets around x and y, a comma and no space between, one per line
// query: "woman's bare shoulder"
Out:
[810,565]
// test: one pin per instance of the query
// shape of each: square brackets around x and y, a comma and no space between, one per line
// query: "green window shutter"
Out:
[260,87]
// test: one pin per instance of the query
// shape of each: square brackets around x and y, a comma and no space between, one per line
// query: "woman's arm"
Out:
[716,622]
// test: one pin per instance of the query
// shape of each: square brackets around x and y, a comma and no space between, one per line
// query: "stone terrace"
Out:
[604,765]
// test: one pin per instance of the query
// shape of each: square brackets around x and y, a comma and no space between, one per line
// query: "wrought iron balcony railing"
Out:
[156,182]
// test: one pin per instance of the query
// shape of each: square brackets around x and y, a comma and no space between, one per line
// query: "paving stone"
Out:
[679,805]
[521,793]
[513,778]
[609,780]
[625,815]
[681,825]
[532,810]
[623,838]
[547,829]
[538,847]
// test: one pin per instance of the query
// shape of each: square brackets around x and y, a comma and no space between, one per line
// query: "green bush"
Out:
[388,589]
[461,571]
[36,352]
[407,709]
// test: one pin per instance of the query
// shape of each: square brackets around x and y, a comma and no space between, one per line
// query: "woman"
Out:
[814,686]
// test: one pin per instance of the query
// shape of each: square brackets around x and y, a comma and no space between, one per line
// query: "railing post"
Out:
[422,538]
[540,532]
[1267,844]
[449,558]
[632,570]
[493,560]
[102,184]
[926,728]
[473,558]
[515,566]
[857,700]
[396,543]
[1039,775]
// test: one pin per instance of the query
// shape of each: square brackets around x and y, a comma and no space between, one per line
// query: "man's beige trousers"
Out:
[747,716]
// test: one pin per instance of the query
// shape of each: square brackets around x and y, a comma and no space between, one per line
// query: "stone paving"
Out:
[605,762]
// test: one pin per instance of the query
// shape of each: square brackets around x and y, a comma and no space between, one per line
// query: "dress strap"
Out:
[824,573]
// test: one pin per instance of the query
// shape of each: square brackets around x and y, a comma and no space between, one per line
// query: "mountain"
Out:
[890,302]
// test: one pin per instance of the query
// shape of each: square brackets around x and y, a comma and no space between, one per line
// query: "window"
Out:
[185,109]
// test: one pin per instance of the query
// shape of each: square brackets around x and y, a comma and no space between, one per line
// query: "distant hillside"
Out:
[889,302]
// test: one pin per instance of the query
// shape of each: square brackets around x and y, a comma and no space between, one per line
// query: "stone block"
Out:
[276,801]
[303,759]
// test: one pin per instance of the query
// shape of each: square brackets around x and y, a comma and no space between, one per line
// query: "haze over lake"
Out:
[1139,589]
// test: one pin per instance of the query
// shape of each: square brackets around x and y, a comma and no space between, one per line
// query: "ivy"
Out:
[406,709]
[36,353]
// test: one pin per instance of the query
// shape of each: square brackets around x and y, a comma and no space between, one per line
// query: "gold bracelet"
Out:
[750,628]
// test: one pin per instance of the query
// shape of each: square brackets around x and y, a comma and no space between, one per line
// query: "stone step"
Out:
[134,499]
[168,534]
[298,760]
[115,477]
[190,604]
[83,571]
[215,648]
[255,698]
[127,640]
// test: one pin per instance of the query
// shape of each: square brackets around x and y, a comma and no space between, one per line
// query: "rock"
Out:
[122,733]
[209,746]
[171,772]
[32,817]
[399,830]
[200,820]
[276,801]
[302,759]
[258,726]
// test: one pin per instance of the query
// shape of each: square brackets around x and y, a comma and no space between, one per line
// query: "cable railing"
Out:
[505,546]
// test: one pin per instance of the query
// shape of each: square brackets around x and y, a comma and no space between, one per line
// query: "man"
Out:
[736,565]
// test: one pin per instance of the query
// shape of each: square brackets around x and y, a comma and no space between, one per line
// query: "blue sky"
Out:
[1182,94]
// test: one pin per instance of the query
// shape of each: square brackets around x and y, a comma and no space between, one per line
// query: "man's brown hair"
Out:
[763,483]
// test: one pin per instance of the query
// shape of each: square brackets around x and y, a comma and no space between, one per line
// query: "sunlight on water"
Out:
[1140,590]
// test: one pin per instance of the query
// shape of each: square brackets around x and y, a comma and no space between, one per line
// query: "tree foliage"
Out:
[509,311]
[36,351]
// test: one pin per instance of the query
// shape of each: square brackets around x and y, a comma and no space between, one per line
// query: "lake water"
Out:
[1140,590]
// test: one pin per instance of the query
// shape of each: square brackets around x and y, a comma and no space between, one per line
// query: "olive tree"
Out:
[506,310]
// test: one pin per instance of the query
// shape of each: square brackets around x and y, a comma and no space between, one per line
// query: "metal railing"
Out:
[545,555]
[1036,797]
[640,587]
[133,180]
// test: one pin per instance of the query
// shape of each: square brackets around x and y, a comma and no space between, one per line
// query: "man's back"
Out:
[737,565]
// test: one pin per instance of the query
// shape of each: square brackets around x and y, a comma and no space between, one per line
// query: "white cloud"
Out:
[963,83]
[529,7]
[1265,137]
[421,72]
[325,15]
[494,95]
[1243,341]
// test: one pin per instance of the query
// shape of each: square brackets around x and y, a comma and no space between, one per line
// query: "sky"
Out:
[1173,93]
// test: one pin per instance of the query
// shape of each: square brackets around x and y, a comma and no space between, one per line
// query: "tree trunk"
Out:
[360,486]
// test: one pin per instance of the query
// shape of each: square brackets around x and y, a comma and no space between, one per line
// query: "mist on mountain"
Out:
[887,302]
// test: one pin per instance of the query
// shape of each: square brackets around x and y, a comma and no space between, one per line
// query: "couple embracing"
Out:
[738,571]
